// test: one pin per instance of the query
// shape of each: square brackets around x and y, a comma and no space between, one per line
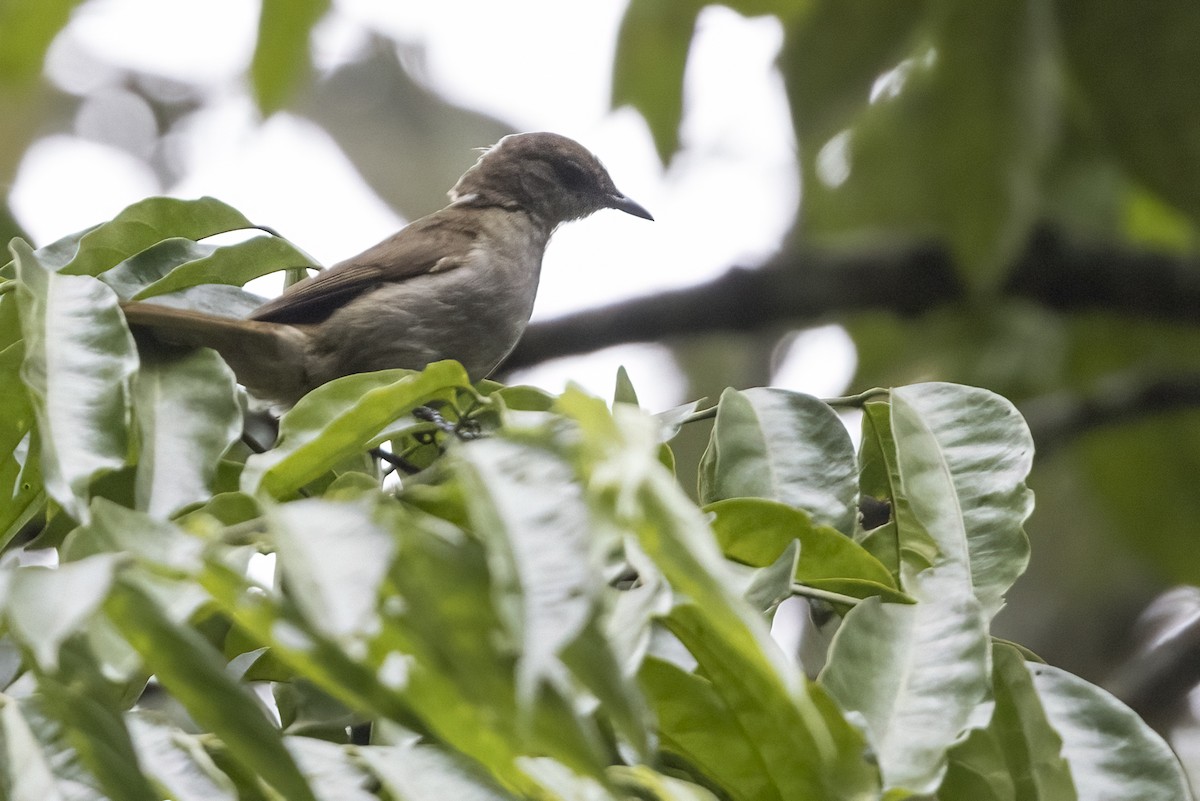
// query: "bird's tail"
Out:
[267,358]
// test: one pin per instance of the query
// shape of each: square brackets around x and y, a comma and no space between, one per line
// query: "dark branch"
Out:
[804,289]
[1059,419]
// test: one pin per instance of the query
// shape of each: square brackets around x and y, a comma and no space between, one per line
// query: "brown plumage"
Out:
[457,284]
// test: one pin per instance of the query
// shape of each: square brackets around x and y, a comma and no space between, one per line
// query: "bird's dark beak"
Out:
[629,206]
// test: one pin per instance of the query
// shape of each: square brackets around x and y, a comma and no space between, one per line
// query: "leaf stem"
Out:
[824,595]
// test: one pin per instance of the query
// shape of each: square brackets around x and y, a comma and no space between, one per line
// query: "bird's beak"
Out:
[629,206]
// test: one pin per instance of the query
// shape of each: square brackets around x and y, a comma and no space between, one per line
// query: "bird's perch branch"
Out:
[1053,271]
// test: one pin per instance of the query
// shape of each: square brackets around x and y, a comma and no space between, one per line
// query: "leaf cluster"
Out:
[539,612]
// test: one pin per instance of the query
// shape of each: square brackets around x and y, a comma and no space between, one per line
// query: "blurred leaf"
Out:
[281,57]
[37,762]
[1143,99]
[187,416]
[1091,722]
[754,531]
[334,558]
[136,228]
[176,760]
[195,676]
[79,697]
[79,359]
[426,773]
[342,418]
[642,779]
[950,122]
[26,30]
[785,446]
[45,606]
[915,673]
[333,771]
[652,50]
[979,442]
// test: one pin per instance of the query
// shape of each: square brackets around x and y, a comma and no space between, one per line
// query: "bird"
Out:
[456,284]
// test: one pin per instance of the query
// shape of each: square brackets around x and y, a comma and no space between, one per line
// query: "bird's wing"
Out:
[435,243]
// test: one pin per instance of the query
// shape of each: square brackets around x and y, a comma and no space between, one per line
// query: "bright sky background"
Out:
[537,64]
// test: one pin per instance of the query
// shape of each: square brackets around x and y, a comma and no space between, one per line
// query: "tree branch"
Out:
[1054,271]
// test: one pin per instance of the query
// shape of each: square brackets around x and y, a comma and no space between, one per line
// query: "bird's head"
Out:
[553,177]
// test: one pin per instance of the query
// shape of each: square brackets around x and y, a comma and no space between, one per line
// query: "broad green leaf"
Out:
[79,359]
[89,709]
[21,493]
[281,57]
[45,605]
[187,414]
[195,676]
[696,724]
[1142,100]
[37,762]
[426,773]
[947,136]
[642,779]
[755,531]
[136,228]
[1113,754]
[785,446]
[334,558]
[914,673]
[799,746]
[978,442]
[335,772]
[978,771]
[148,266]
[652,50]
[176,760]
[26,30]
[532,517]
[1032,748]
[16,414]
[232,264]
[345,417]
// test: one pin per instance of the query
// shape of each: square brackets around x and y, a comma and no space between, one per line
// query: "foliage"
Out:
[540,612]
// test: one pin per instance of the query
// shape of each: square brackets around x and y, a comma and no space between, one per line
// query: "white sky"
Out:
[726,199]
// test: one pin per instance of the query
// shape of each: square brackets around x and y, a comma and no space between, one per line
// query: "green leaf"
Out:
[232,264]
[281,57]
[531,515]
[1141,100]
[426,773]
[652,50]
[176,760]
[334,558]
[195,676]
[187,414]
[136,228]
[978,442]
[914,673]
[80,698]
[37,762]
[755,531]
[79,359]
[785,446]
[342,418]
[1113,754]
[45,606]
[334,771]
[643,780]
[940,130]
[624,392]
[696,724]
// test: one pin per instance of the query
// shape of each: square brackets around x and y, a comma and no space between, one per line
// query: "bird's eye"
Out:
[571,175]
